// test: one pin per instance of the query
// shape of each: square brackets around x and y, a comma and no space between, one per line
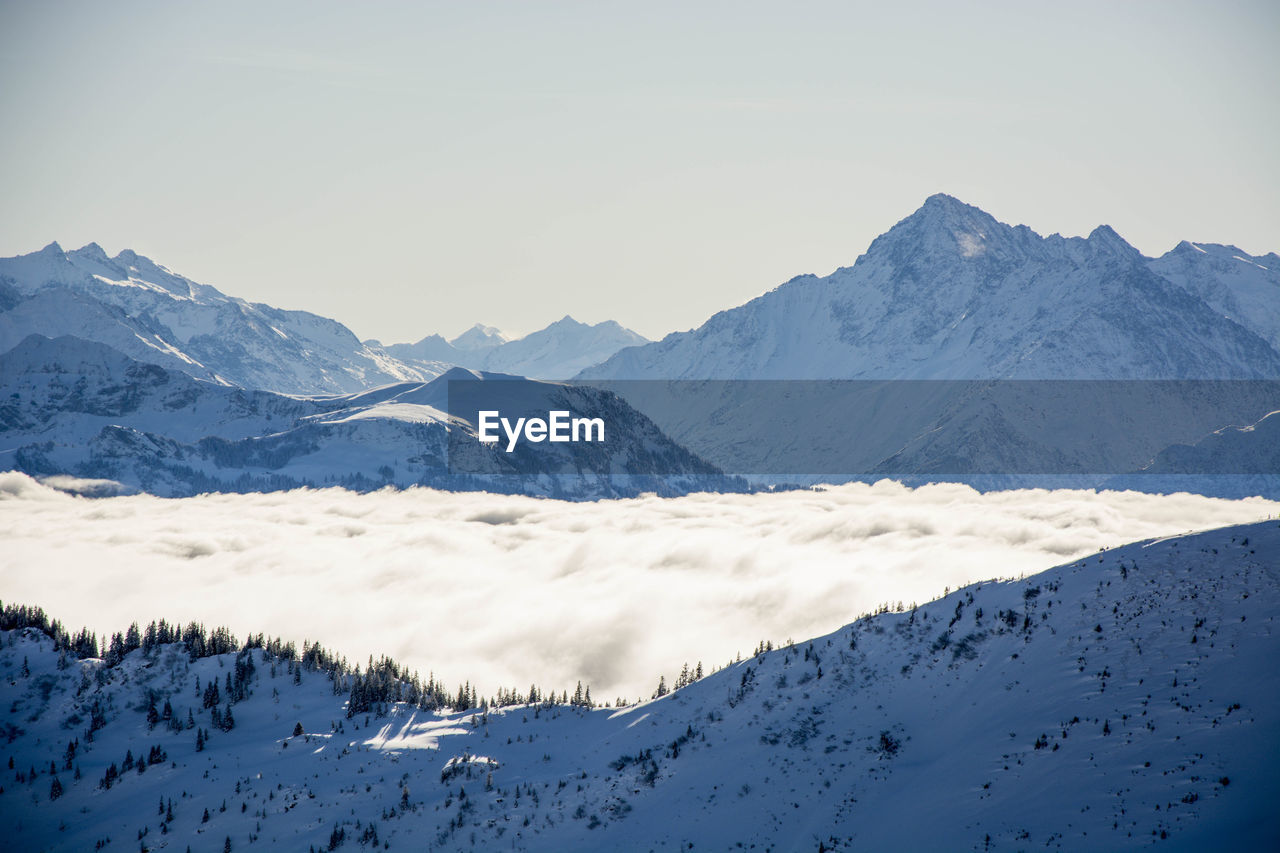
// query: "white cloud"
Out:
[508,590]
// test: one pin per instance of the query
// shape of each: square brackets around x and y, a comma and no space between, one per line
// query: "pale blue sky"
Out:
[411,168]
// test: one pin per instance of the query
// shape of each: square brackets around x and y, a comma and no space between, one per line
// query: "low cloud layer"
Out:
[506,591]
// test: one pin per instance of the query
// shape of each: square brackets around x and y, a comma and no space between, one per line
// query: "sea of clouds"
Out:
[506,591]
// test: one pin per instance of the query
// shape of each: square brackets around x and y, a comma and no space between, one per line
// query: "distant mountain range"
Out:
[150,313]
[948,293]
[82,408]
[560,351]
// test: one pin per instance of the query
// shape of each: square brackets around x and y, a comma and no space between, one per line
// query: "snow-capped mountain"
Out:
[948,293]
[431,348]
[80,408]
[951,293]
[559,351]
[562,349]
[154,315]
[1243,288]
[1125,701]
[479,337]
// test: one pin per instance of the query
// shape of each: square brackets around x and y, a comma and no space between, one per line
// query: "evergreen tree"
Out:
[211,695]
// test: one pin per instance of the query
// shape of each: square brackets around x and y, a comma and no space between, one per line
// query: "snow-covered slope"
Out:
[1252,449]
[75,407]
[950,293]
[1241,461]
[1125,701]
[1241,287]
[65,390]
[559,351]
[149,313]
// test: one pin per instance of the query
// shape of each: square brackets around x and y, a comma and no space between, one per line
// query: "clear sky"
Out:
[410,168]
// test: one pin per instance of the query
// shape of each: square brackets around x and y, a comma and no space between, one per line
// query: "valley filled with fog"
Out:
[505,591]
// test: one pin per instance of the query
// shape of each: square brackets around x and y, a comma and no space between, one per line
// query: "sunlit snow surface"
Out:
[1126,700]
[507,591]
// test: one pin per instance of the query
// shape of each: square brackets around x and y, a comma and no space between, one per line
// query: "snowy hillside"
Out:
[559,351]
[80,408]
[951,293]
[1127,700]
[149,313]
[1243,460]
[1252,449]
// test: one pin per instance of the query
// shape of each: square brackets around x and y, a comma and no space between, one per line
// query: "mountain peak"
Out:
[479,336]
[951,208]
[945,201]
[92,251]
[943,225]
[941,210]
[458,374]
[52,249]
[1106,237]
[1187,247]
